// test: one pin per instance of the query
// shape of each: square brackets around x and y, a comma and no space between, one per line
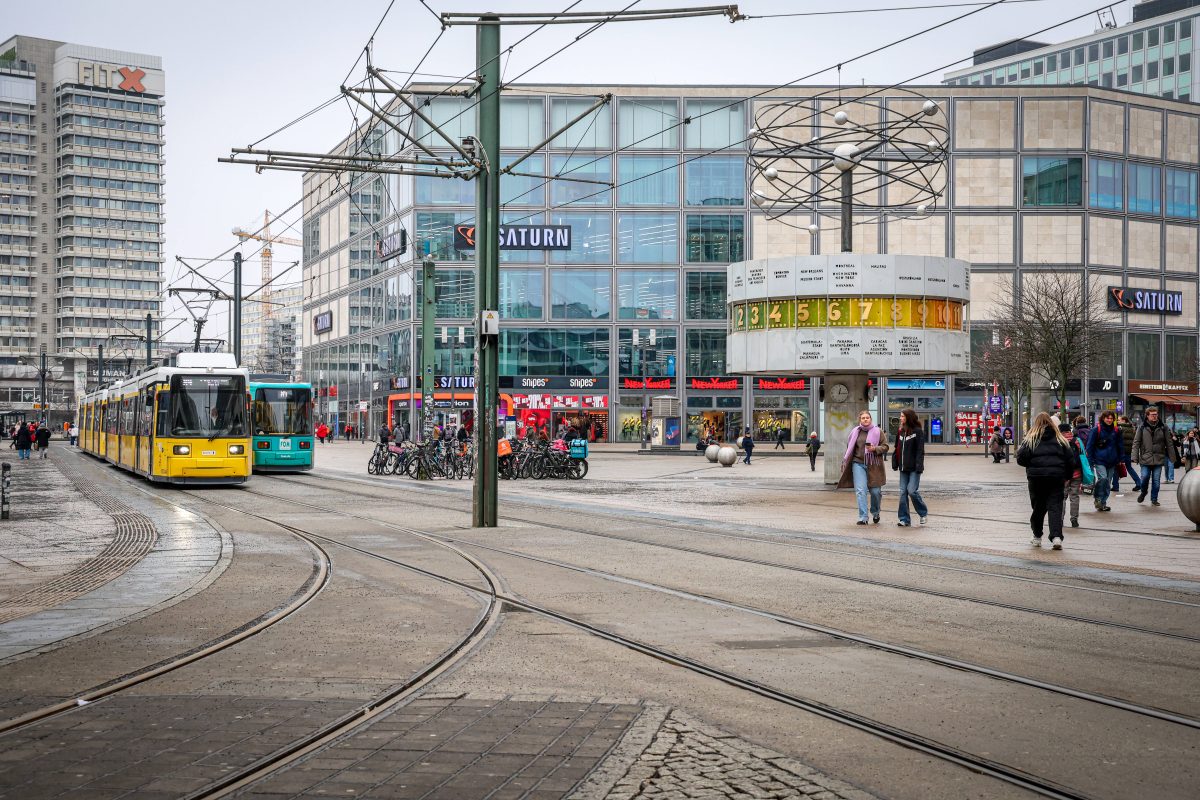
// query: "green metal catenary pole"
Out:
[236,316]
[428,357]
[487,257]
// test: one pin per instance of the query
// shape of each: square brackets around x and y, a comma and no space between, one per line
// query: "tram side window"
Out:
[163,424]
[146,413]
[110,418]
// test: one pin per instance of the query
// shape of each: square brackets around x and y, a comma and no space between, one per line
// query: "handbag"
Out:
[1122,472]
[1087,475]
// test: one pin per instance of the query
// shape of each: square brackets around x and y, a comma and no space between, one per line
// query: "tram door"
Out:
[145,423]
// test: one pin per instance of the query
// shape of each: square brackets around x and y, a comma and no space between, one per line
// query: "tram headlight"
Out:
[236,449]
[181,450]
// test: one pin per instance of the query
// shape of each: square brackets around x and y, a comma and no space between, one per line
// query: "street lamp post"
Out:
[640,348]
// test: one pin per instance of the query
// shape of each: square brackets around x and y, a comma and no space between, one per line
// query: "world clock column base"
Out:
[844,400]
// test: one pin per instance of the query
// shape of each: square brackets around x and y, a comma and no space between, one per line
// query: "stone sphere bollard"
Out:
[711,451]
[1188,495]
[727,455]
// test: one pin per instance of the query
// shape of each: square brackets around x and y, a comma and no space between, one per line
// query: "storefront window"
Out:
[647,294]
[1181,193]
[1181,358]
[715,181]
[652,355]
[435,234]
[715,124]
[522,123]
[580,293]
[584,167]
[1053,181]
[647,238]
[522,293]
[1143,356]
[706,353]
[648,180]
[705,295]
[554,352]
[1144,187]
[1106,188]
[593,132]
[715,239]
[591,238]
[648,124]
[522,190]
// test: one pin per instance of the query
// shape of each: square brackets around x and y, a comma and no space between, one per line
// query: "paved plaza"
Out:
[665,627]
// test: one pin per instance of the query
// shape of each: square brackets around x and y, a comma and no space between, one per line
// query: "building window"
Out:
[1106,184]
[1185,63]
[1181,358]
[435,234]
[522,293]
[1168,34]
[704,296]
[647,238]
[1138,41]
[554,352]
[1143,356]
[453,292]
[1185,29]
[1065,59]
[455,116]
[442,191]
[648,294]
[1144,185]
[1152,37]
[593,132]
[521,256]
[1108,49]
[715,238]
[1151,70]
[649,357]
[715,181]
[706,353]
[1053,181]
[648,180]
[714,125]
[1122,45]
[585,167]
[1181,193]
[591,238]
[1137,73]
[648,124]
[580,293]
[522,190]
[522,121]
[1052,62]
[1168,67]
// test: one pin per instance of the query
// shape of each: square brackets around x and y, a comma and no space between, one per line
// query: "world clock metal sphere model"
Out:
[831,151]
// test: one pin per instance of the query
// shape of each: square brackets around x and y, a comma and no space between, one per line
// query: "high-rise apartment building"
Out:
[1151,55]
[271,341]
[81,214]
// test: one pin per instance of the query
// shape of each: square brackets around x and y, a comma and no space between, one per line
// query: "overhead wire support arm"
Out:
[374,112]
[604,100]
[353,159]
[378,74]
[590,17]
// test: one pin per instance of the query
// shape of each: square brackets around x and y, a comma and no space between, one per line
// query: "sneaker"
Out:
[875,519]
[1105,508]
[1141,497]
[861,522]
[1170,481]
[1074,522]
[1056,542]
[1155,503]
[924,520]
[903,524]
[1036,541]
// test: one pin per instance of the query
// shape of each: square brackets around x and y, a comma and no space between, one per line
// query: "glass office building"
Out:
[1079,179]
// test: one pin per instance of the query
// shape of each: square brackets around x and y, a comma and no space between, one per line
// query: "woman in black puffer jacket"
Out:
[1049,463]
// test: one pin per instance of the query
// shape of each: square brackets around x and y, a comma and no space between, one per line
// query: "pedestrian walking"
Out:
[812,448]
[780,436]
[73,434]
[1078,477]
[1169,467]
[1105,450]
[1081,430]
[23,440]
[862,466]
[747,446]
[1191,451]
[43,439]
[909,459]
[1049,464]
[322,432]
[1153,447]
[1126,429]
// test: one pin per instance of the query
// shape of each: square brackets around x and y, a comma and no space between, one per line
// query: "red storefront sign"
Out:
[781,384]
[722,384]
[595,401]
[647,383]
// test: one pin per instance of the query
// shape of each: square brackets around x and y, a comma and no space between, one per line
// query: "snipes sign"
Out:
[1147,301]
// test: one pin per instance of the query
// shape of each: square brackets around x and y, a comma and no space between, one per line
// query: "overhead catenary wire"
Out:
[845,11]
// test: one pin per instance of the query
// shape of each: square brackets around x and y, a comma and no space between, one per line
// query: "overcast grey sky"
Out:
[236,71]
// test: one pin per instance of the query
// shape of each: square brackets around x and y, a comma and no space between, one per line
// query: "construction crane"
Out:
[267,239]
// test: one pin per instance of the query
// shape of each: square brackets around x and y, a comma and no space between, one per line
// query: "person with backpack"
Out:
[23,439]
[813,447]
[909,459]
[1105,450]
[1049,463]
[42,435]
[780,437]
[1153,446]
[1081,475]
[1126,429]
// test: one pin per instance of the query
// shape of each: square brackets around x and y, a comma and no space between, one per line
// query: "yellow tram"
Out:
[185,424]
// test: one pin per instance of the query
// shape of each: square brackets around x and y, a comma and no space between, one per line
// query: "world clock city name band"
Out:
[849,312]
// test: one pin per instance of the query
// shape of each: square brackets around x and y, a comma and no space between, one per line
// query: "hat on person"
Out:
[1064,427]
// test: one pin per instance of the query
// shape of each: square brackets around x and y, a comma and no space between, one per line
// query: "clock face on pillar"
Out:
[838,393]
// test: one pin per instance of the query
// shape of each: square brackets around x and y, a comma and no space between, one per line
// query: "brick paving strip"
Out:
[134,538]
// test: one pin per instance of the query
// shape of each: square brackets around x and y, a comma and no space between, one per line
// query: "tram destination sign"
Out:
[1147,301]
[519,237]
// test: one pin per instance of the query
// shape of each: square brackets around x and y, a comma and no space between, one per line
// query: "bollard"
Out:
[5,485]
[726,455]
[710,452]
[1188,496]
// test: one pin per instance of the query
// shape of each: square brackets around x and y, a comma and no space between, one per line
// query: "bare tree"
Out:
[1057,323]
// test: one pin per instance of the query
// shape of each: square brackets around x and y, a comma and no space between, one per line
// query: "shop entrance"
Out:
[592,424]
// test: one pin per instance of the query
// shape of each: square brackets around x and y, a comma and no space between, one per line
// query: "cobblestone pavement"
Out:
[670,756]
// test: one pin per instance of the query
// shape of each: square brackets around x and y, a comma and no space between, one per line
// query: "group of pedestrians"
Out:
[864,470]
[25,436]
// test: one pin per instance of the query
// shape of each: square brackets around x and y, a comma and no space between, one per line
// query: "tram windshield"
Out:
[282,411]
[208,405]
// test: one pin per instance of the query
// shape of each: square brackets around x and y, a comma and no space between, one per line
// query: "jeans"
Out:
[910,483]
[1170,465]
[1071,492]
[860,492]
[749,453]
[1104,475]
[1133,476]
[23,453]
[1150,476]
[812,461]
[1046,497]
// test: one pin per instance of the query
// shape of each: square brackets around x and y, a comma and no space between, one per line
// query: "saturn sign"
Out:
[519,237]
[1148,301]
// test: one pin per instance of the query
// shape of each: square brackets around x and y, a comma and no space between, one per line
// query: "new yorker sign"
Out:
[519,237]
[1147,301]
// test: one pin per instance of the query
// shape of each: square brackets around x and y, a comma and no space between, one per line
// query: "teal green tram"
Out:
[282,412]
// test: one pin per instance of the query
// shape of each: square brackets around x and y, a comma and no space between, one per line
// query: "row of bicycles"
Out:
[452,460]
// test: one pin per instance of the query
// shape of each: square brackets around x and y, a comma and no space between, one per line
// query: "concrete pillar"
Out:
[1041,397]
[841,415]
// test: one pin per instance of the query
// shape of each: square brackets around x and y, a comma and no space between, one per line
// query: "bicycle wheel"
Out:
[373,464]
[576,469]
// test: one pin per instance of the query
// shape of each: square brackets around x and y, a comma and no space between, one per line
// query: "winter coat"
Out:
[909,455]
[43,438]
[23,438]
[996,445]
[1127,434]
[747,443]
[1105,446]
[1048,458]
[1153,445]
[876,471]
[1081,434]
[813,447]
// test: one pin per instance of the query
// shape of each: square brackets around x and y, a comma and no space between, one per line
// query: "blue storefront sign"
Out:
[915,383]
[935,426]
[995,404]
